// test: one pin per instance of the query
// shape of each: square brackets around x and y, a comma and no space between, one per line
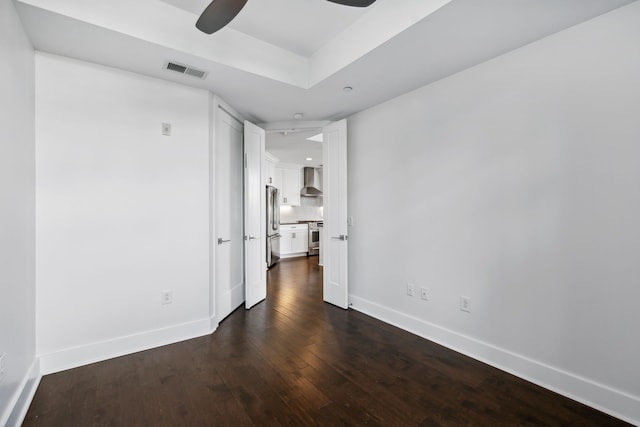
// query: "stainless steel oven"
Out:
[314,239]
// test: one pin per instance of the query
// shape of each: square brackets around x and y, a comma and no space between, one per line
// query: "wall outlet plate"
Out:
[465,304]
[411,289]
[424,293]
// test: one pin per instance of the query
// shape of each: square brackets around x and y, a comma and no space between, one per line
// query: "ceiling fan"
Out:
[220,12]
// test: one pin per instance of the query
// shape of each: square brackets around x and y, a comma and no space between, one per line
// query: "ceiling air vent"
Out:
[185,69]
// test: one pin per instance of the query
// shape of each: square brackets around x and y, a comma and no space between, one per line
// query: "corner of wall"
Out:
[109,349]
[598,396]
[21,401]
[17,218]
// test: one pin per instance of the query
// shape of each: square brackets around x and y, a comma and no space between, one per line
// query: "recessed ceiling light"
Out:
[298,116]
[309,159]
[316,138]
[347,89]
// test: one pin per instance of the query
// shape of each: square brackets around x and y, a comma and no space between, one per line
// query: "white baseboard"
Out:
[213,323]
[229,301]
[22,398]
[295,255]
[599,396]
[237,297]
[103,350]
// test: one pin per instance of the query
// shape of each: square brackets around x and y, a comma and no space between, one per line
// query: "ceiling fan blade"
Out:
[355,3]
[218,14]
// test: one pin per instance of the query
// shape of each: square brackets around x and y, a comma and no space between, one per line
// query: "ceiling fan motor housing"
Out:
[354,3]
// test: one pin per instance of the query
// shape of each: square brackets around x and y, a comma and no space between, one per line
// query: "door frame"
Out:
[335,277]
[255,232]
[215,105]
[322,127]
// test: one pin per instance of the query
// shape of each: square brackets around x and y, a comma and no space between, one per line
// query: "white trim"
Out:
[270,157]
[215,105]
[294,255]
[599,396]
[213,112]
[108,349]
[220,103]
[213,324]
[294,126]
[21,400]
[237,297]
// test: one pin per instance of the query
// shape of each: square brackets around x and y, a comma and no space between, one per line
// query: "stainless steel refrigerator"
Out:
[273,225]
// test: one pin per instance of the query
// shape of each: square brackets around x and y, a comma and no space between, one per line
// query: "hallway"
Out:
[293,360]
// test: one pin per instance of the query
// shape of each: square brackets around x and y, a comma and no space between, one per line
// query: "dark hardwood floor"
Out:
[295,361]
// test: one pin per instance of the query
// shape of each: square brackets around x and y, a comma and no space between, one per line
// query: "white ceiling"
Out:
[279,57]
[300,26]
[294,147]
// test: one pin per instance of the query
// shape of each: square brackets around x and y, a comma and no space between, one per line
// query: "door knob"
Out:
[341,237]
[221,241]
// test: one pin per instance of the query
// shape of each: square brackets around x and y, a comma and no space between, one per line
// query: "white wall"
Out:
[17,223]
[122,212]
[515,183]
[310,209]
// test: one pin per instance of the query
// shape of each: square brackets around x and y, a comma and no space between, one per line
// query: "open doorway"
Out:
[325,191]
[294,178]
[328,182]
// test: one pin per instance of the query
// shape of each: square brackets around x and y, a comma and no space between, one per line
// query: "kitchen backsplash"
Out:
[310,209]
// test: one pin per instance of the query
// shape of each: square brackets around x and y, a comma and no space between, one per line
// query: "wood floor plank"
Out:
[293,360]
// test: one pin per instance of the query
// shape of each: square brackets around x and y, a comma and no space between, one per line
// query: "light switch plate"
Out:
[166,297]
[465,304]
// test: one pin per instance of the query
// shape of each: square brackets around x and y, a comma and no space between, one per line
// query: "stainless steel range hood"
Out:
[310,186]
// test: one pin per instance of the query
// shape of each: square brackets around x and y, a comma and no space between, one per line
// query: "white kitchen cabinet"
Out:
[289,183]
[270,170]
[300,241]
[294,241]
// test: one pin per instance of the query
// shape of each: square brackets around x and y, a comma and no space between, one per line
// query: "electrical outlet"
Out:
[465,304]
[166,129]
[3,356]
[411,289]
[424,293]
[166,297]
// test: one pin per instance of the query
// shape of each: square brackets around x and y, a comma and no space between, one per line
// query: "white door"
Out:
[229,262]
[255,215]
[335,239]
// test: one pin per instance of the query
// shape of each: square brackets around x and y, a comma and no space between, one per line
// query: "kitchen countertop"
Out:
[300,222]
